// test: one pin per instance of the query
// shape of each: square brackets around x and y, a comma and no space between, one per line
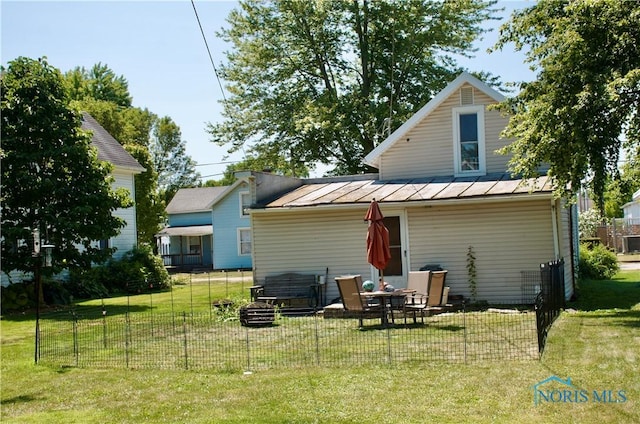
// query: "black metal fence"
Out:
[201,340]
[550,300]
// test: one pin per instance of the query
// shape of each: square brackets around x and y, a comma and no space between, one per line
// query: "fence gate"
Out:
[550,299]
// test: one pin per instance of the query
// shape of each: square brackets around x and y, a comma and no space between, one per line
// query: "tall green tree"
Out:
[583,106]
[98,83]
[52,180]
[259,164]
[132,128]
[175,168]
[326,81]
[155,142]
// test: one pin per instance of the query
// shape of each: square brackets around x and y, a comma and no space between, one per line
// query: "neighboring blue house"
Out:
[186,242]
[210,227]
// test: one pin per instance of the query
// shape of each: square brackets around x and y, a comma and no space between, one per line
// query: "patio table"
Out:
[385,299]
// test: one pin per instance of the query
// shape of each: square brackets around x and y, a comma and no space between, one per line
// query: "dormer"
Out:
[454,134]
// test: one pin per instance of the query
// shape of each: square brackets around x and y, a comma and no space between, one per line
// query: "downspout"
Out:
[572,251]
[554,226]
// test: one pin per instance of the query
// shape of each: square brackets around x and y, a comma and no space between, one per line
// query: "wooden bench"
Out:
[288,290]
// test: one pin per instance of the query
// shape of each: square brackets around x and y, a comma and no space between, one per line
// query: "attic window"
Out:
[468,140]
[466,96]
[245,203]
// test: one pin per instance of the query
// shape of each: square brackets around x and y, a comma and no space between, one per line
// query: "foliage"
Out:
[132,128]
[327,81]
[138,271]
[17,297]
[98,83]
[588,223]
[597,262]
[260,164]
[175,168]
[584,105]
[471,272]
[52,180]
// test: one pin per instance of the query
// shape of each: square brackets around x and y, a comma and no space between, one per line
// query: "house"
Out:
[446,196]
[631,226]
[210,227]
[631,209]
[125,168]
[187,240]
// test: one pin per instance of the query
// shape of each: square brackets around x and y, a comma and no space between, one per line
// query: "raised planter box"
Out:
[257,314]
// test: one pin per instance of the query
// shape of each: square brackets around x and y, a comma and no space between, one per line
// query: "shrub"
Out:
[17,297]
[138,271]
[588,223]
[597,262]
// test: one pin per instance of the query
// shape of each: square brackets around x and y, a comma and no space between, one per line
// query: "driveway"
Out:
[626,266]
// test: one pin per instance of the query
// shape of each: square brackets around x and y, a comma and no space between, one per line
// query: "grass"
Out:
[596,343]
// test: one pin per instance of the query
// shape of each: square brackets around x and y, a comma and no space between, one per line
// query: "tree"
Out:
[327,81]
[52,180]
[259,164]
[175,168]
[583,106]
[154,142]
[98,83]
[132,127]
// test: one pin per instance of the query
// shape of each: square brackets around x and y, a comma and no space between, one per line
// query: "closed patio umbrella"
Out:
[378,251]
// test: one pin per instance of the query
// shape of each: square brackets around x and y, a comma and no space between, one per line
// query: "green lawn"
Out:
[596,343]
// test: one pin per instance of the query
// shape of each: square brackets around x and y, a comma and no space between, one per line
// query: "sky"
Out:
[157,46]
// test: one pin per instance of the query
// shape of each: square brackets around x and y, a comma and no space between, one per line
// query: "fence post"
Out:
[127,336]
[389,344]
[246,332]
[104,325]
[315,321]
[186,348]
[464,333]
[76,354]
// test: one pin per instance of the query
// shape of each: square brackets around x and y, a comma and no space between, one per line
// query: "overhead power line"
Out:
[215,71]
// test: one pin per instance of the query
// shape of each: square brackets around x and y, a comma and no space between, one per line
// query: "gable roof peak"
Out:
[373,158]
[109,149]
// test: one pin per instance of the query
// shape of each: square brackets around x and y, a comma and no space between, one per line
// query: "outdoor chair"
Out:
[418,284]
[349,287]
[436,292]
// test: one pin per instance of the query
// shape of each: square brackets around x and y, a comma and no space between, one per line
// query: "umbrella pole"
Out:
[381,282]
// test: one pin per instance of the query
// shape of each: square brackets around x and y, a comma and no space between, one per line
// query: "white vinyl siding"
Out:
[127,239]
[506,238]
[427,150]
[310,241]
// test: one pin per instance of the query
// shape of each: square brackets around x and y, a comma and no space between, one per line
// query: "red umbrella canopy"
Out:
[378,252]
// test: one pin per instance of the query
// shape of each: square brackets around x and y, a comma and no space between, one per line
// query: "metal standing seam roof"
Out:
[410,190]
[109,149]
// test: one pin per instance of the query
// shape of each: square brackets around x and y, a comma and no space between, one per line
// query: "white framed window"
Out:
[244,241]
[194,245]
[245,203]
[468,140]
[104,244]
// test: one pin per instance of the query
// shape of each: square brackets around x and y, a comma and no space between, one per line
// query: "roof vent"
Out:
[466,96]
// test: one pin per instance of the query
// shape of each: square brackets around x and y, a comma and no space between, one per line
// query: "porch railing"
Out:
[184,259]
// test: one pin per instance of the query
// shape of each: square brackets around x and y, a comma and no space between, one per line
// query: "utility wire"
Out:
[208,51]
